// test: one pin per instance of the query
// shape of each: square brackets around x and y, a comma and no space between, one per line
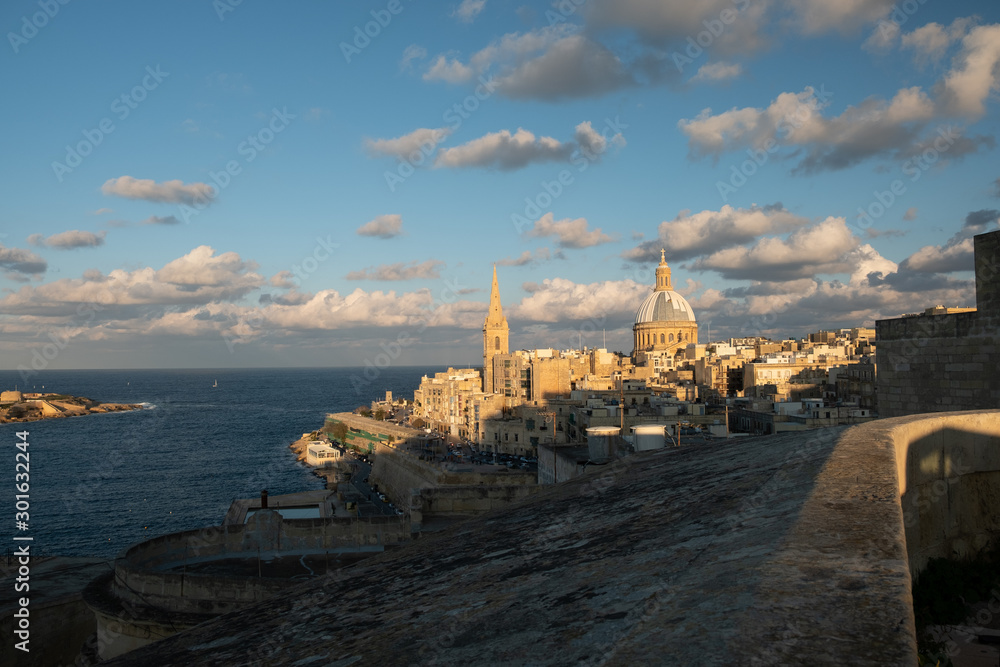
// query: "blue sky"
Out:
[373,180]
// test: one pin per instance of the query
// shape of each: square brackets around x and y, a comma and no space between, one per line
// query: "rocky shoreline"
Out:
[16,407]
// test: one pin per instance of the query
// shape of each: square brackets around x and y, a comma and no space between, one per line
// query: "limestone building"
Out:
[665,322]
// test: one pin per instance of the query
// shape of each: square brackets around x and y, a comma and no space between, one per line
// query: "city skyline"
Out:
[231,185]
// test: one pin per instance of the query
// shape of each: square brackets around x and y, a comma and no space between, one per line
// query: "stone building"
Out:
[11,397]
[935,363]
[665,321]
[452,403]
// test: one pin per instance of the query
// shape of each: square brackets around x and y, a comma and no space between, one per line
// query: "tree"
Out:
[339,431]
[419,423]
[363,410]
[380,414]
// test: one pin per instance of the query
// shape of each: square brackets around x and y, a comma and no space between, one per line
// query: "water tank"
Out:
[602,442]
[648,436]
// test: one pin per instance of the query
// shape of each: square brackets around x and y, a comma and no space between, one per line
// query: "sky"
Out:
[235,184]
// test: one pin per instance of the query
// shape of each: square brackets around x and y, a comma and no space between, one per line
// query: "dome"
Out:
[664,306]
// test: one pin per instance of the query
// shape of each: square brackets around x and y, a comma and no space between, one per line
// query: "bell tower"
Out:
[495,335]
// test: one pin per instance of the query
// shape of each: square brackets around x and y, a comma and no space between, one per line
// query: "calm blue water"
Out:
[102,482]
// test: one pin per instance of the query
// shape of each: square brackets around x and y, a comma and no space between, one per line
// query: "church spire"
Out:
[495,335]
[495,315]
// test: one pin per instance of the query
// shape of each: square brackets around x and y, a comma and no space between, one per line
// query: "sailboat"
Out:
[216,384]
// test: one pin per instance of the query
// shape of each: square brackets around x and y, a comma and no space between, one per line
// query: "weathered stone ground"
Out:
[752,552]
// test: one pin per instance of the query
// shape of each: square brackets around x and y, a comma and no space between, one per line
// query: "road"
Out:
[361,472]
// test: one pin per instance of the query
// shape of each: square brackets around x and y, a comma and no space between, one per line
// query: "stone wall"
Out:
[430,489]
[458,501]
[936,363]
[949,482]
[141,579]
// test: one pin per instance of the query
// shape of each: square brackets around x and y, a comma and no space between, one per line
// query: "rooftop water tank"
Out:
[602,442]
[648,436]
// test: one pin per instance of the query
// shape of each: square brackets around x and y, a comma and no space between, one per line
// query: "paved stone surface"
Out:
[780,550]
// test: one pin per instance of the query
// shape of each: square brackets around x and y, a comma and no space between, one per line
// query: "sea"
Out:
[100,483]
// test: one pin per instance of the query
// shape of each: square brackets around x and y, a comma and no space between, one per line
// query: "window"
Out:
[671,338]
[496,343]
[661,339]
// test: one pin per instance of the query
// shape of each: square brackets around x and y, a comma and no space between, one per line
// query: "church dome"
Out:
[664,306]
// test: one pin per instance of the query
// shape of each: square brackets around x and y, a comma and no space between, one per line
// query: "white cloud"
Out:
[689,235]
[283,279]
[794,120]
[930,42]
[507,151]
[20,263]
[203,268]
[958,253]
[550,63]
[883,38]
[198,277]
[975,74]
[448,70]
[411,53]
[822,248]
[161,220]
[504,150]
[570,233]
[400,271]
[68,240]
[572,67]
[527,257]
[468,10]
[420,140]
[383,227]
[718,71]
[736,27]
[171,192]
[819,16]
[558,299]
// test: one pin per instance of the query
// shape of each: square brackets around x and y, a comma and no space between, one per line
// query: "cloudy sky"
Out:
[226,184]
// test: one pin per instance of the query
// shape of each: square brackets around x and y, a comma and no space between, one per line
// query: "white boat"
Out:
[216,384]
